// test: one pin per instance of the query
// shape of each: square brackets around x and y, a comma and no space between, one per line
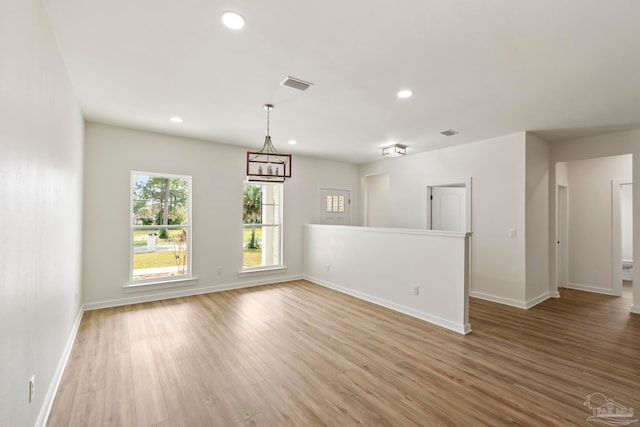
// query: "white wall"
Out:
[626,220]
[218,173]
[358,261]
[537,219]
[590,238]
[497,168]
[588,148]
[377,207]
[562,175]
[41,198]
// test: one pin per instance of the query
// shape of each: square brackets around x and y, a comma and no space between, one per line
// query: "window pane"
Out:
[252,254]
[252,204]
[340,203]
[329,204]
[159,200]
[270,214]
[262,222]
[271,245]
[159,253]
[273,194]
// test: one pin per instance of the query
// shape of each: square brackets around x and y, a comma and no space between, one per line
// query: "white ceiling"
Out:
[563,68]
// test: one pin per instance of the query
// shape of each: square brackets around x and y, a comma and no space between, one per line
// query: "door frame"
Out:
[366,208]
[562,269]
[460,182]
[616,233]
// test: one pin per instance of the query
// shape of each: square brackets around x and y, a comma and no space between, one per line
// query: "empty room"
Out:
[416,213]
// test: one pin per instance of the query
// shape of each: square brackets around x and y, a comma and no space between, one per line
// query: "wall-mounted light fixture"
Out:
[395,150]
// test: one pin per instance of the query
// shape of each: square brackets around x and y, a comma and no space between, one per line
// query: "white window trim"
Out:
[273,267]
[161,282]
[255,271]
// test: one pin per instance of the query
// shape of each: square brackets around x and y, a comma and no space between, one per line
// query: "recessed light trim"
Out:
[405,93]
[449,132]
[292,142]
[176,119]
[233,20]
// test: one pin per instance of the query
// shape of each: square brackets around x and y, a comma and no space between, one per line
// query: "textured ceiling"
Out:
[484,68]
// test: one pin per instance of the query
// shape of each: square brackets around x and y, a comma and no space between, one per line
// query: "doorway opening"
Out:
[622,229]
[449,206]
[562,237]
[377,201]
[588,216]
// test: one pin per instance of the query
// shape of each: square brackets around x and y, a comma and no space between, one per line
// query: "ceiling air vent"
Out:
[296,83]
[448,132]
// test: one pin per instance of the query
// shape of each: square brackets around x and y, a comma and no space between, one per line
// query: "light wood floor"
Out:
[297,354]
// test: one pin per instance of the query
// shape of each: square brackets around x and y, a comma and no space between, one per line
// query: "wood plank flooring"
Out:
[298,354]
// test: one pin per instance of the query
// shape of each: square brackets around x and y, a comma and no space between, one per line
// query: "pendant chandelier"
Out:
[267,165]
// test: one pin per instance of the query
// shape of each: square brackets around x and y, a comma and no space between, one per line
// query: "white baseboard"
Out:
[452,326]
[537,300]
[635,309]
[594,289]
[55,383]
[499,300]
[158,296]
[45,410]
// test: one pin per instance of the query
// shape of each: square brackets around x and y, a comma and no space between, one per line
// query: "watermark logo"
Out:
[608,411]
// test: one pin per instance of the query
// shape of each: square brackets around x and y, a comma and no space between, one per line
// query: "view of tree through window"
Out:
[262,219]
[160,226]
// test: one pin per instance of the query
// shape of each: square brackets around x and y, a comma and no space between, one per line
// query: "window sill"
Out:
[159,284]
[261,270]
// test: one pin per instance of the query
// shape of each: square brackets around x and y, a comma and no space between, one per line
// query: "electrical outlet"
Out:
[32,387]
[219,271]
[416,290]
[512,233]
[328,267]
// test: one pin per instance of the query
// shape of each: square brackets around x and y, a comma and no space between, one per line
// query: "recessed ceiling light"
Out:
[232,20]
[292,142]
[175,119]
[405,93]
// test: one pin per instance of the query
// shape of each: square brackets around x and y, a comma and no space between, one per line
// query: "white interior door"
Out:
[562,238]
[335,206]
[448,208]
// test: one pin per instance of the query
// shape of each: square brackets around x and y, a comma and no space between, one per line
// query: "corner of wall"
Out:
[536,216]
